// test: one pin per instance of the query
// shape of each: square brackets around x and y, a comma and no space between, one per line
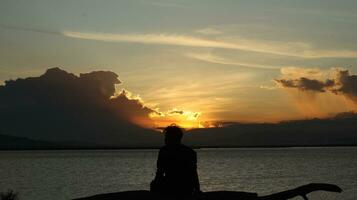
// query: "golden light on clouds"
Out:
[319,93]
[183,118]
[320,105]
[205,102]
[149,115]
[223,61]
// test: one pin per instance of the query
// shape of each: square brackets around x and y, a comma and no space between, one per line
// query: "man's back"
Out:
[178,164]
[176,173]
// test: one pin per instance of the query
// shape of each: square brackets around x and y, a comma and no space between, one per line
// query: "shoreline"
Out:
[158,147]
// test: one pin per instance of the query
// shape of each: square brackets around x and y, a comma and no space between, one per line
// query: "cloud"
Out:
[181,117]
[163,39]
[268,87]
[340,82]
[133,108]
[180,112]
[347,83]
[209,31]
[293,49]
[62,106]
[223,61]
[298,72]
[188,114]
[306,84]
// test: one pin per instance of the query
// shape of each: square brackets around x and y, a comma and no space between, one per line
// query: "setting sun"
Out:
[183,118]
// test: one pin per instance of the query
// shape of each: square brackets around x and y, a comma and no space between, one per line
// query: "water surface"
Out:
[59,175]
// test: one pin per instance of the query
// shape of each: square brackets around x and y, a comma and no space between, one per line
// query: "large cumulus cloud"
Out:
[341,82]
[62,106]
[132,108]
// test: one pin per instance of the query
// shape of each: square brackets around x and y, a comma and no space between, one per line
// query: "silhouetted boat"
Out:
[222,195]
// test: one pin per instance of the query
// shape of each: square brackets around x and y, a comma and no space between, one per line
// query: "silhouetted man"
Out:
[176,173]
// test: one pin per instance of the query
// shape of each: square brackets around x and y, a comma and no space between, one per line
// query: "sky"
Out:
[196,61]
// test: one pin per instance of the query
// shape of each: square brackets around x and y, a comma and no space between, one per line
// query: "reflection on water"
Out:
[59,175]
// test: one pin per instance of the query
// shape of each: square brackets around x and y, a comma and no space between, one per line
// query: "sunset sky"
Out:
[194,61]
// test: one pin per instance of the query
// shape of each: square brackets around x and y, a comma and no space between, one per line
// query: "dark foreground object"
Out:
[221,195]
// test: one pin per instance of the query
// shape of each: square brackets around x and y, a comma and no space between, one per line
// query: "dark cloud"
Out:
[180,112]
[132,108]
[348,84]
[306,84]
[62,106]
[343,83]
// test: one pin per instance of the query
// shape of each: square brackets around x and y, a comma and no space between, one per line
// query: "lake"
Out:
[59,175]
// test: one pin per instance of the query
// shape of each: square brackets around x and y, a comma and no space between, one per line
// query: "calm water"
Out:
[57,175]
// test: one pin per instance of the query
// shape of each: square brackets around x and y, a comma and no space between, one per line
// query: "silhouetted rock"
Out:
[8,195]
[221,195]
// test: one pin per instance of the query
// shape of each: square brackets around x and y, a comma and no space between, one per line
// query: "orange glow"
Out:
[320,105]
[185,119]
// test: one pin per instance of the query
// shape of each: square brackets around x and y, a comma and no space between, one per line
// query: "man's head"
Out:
[173,135]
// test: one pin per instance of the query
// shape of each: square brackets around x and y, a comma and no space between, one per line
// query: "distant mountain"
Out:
[12,142]
[338,130]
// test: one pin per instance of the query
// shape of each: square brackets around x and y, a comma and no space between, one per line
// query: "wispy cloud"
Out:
[268,87]
[35,30]
[219,60]
[294,49]
[209,31]
[297,72]
[164,39]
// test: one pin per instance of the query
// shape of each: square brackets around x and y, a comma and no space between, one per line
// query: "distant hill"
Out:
[338,130]
[12,142]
